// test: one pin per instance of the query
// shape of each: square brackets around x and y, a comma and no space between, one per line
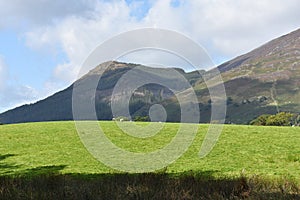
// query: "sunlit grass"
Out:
[272,152]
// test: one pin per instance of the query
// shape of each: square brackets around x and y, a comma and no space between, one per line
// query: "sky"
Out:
[43,43]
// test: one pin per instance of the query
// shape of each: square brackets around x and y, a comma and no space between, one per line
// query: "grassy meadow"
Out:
[266,156]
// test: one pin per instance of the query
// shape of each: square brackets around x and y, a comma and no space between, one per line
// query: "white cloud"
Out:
[235,27]
[13,94]
[226,28]
[77,36]
[16,13]
[16,95]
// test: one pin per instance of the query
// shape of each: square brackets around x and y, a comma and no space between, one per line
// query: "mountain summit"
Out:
[265,80]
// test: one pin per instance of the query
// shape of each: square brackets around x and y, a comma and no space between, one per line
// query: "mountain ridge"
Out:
[263,81]
[260,51]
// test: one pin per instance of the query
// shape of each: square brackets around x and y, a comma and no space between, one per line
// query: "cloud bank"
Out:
[225,28]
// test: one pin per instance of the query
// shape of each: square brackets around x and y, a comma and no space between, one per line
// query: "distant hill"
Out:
[265,80]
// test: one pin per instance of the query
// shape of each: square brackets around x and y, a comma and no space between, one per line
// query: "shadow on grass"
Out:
[9,168]
[42,170]
[3,157]
[6,167]
[46,183]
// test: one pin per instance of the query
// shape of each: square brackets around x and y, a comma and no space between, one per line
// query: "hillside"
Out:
[265,80]
[59,106]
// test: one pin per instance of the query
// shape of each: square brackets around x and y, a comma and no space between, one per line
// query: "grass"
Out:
[268,154]
[266,151]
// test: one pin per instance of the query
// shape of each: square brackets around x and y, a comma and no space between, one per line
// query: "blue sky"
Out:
[43,43]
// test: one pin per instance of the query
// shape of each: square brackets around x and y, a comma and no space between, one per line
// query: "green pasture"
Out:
[37,148]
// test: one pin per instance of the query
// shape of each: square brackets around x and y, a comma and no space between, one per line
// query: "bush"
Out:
[261,120]
[280,119]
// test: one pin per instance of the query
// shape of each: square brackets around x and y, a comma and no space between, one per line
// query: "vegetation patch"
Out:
[279,119]
[50,185]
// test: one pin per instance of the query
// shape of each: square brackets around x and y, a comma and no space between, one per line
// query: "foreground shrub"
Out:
[144,186]
[280,119]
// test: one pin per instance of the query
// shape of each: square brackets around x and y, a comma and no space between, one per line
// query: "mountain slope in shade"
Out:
[59,105]
[265,80]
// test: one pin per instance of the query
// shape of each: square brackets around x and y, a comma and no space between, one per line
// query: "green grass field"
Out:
[48,161]
[270,152]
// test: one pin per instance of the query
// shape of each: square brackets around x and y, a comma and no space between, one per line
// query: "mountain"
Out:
[59,105]
[265,80]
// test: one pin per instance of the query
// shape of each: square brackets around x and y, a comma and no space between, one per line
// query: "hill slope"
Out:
[59,106]
[265,80]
